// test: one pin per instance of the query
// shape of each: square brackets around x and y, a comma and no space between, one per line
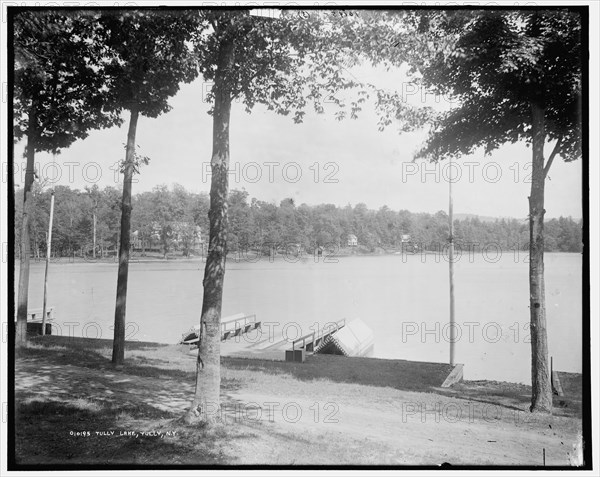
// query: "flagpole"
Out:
[451,267]
[48,251]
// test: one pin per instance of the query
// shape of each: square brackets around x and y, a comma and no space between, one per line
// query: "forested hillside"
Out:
[170,219]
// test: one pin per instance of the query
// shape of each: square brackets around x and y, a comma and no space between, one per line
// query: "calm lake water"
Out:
[404,299]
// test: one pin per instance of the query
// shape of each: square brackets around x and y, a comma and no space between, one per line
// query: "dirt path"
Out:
[278,419]
[409,427]
[430,435]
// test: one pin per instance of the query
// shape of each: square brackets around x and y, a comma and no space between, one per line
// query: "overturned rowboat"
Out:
[231,326]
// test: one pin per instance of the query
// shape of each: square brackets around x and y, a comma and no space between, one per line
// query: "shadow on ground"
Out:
[53,432]
[393,373]
[518,396]
[415,376]
[66,397]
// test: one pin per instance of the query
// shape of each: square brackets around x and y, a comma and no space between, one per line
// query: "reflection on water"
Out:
[404,299]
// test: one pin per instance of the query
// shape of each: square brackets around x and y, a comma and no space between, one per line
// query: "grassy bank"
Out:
[73,407]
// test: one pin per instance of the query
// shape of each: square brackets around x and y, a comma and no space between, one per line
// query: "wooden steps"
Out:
[312,341]
[355,339]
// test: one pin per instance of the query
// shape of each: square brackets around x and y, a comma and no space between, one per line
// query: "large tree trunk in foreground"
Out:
[21,330]
[118,355]
[206,402]
[541,390]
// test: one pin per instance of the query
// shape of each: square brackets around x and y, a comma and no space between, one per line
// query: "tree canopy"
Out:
[260,225]
[149,54]
[516,76]
[59,78]
[494,64]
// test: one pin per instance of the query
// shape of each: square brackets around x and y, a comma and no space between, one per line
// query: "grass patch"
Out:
[86,344]
[73,408]
[393,373]
[66,432]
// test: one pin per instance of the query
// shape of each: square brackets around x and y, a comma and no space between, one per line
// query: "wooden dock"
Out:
[234,325]
[355,339]
[312,341]
[238,325]
[35,319]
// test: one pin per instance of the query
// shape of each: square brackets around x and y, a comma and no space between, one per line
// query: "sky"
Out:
[320,161]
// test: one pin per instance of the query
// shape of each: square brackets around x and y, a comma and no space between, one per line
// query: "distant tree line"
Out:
[168,219]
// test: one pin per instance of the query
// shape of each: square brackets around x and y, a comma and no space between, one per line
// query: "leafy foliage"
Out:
[59,78]
[302,59]
[260,225]
[139,160]
[148,55]
[496,63]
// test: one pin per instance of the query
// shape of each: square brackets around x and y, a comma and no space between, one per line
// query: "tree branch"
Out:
[214,23]
[551,158]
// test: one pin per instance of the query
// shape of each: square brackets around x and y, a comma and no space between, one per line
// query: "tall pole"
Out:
[94,237]
[451,266]
[48,250]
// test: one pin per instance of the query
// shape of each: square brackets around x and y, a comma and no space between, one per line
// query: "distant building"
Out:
[352,240]
[408,246]
[183,231]
[180,232]
[293,248]
[135,240]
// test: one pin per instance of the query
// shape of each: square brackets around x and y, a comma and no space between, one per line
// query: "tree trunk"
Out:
[208,372]
[21,329]
[118,355]
[451,271]
[541,390]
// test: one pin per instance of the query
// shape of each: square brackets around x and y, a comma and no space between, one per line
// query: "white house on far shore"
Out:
[352,240]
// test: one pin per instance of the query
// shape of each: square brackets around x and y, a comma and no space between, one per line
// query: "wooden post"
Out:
[94,236]
[451,268]
[544,455]
[48,251]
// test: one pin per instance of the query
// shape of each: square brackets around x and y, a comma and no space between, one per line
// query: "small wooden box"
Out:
[35,328]
[297,355]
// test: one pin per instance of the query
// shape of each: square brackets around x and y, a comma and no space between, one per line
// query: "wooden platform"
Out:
[355,339]
[311,342]
[234,325]
[35,319]
[239,326]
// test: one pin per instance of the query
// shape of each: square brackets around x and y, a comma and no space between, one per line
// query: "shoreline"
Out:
[256,359]
[231,258]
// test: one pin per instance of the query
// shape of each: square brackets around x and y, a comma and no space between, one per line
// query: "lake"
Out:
[403,298]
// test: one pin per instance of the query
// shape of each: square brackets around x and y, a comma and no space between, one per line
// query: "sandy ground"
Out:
[405,427]
[278,419]
[414,429]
